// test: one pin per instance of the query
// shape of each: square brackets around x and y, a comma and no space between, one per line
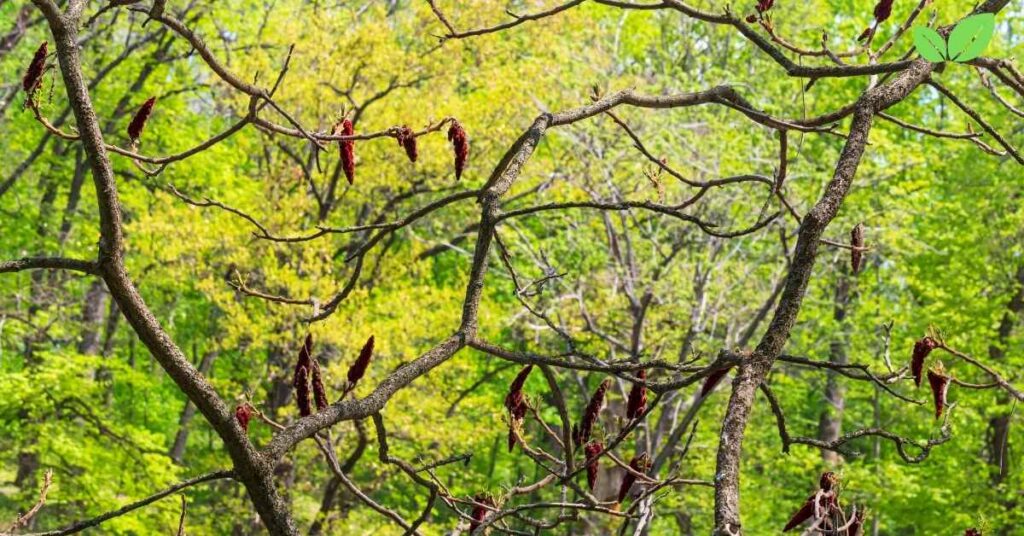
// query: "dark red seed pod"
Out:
[764,5]
[856,524]
[865,34]
[803,514]
[939,381]
[639,464]
[857,253]
[972,532]
[883,9]
[347,148]
[515,389]
[751,19]
[591,413]
[243,413]
[139,121]
[480,512]
[358,369]
[302,392]
[319,393]
[636,404]
[828,481]
[922,348]
[712,380]
[33,77]
[407,139]
[460,143]
[305,359]
[592,451]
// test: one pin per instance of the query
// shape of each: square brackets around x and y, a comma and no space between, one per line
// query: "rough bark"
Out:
[755,369]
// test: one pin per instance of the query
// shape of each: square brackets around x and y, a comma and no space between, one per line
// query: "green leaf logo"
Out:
[929,44]
[966,42]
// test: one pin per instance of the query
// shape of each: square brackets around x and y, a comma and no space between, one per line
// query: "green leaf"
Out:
[929,44]
[969,38]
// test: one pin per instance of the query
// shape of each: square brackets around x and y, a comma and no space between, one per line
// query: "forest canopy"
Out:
[511,267]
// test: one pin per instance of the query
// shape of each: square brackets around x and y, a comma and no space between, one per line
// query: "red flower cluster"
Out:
[826,500]
[883,9]
[922,348]
[34,73]
[243,413]
[856,254]
[712,380]
[480,512]
[515,402]
[592,451]
[460,143]
[640,464]
[358,369]
[581,435]
[407,139]
[939,381]
[636,404]
[139,121]
[347,148]
[319,393]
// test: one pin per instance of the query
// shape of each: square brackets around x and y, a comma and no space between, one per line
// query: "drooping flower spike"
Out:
[33,77]
[460,144]
[636,404]
[922,348]
[139,121]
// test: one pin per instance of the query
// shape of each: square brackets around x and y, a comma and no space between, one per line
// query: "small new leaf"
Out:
[970,37]
[929,44]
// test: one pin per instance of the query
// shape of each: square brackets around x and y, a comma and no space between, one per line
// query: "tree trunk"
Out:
[830,423]
[181,438]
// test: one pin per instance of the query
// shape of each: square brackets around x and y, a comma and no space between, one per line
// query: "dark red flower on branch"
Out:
[407,139]
[358,369]
[33,77]
[590,414]
[764,5]
[592,451]
[347,148]
[479,513]
[972,532]
[636,404]
[243,413]
[828,481]
[460,143]
[857,253]
[922,348]
[639,464]
[826,500]
[305,359]
[139,121]
[515,402]
[302,392]
[883,9]
[319,393]
[939,381]
[712,380]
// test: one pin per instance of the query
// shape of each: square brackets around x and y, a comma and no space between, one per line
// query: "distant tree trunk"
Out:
[92,318]
[830,423]
[181,439]
[999,426]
